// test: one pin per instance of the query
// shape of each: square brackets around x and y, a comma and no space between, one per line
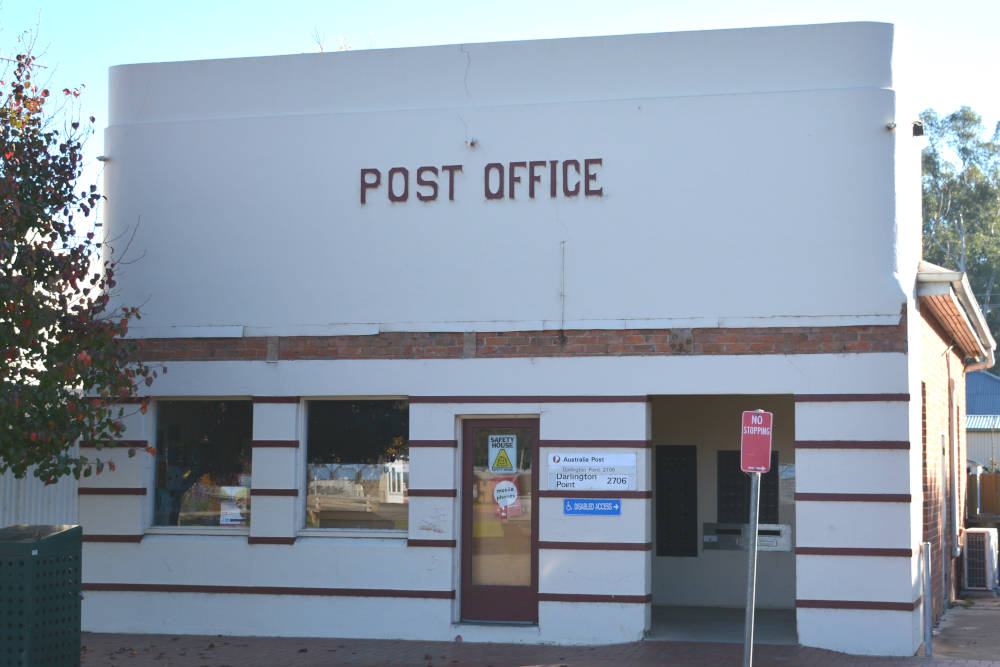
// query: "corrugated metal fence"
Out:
[30,501]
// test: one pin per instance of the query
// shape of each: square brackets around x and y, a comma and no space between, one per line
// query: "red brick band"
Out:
[111,491]
[545,343]
[432,493]
[271,540]
[290,493]
[432,443]
[857,604]
[595,494]
[852,444]
[450,544]
[583,597]
[90,444]
[270,590]
[598,546]
[291,444]
[845,551]
[856,497]
[851,398]
[601,444]
[131,539]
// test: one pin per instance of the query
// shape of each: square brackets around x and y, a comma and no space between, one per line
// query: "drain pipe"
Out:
[925,559]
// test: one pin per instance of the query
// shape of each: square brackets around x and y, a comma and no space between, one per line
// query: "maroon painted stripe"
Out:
[270,590]
[857,604]
[856,497]
[433,443]
[852,444]
[275,399]
[291,444]
[529,399]
[603,444]
[287,493]
[113,538]
[431,543]
[850,398]
[595,494]
[111,491]
[90,444]
[270,540]
[583,597]
[433,493]
[598,546]
[845,551]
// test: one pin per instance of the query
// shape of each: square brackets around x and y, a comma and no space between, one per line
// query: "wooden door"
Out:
[500,520]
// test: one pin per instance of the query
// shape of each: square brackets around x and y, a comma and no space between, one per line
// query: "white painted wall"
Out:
[784,121]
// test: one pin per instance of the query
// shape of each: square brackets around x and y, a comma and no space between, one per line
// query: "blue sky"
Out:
[79,40]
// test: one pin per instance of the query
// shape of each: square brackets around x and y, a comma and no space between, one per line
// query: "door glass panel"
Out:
[501,506]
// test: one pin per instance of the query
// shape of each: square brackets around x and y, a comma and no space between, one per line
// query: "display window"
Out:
[203,463]
[358,464]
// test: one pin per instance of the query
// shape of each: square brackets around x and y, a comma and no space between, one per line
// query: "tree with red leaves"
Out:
[66,367]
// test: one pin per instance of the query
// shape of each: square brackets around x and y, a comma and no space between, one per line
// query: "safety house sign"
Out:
[503,454]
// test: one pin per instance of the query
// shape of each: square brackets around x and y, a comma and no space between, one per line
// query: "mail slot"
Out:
[733,536]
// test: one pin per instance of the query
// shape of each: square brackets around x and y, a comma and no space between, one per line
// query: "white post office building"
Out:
[458,339]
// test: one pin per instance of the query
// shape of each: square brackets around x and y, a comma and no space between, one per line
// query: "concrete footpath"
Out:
[967,635]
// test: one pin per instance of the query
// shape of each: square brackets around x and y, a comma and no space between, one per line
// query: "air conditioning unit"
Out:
[981,558]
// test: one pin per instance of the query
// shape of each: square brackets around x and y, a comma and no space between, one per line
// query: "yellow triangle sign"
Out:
[502,462]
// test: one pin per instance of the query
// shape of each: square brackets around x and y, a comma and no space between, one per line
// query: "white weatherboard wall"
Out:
[784,121]
[674,119]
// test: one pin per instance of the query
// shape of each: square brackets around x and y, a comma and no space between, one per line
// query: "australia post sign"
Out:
[755,441]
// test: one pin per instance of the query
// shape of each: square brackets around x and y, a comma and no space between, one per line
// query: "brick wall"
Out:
[943,420]
[577,343]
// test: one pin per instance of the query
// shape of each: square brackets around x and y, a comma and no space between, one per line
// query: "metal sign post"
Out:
[755,458]
[751,569]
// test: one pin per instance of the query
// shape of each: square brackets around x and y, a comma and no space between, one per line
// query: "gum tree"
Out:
[65,362]
[961,202]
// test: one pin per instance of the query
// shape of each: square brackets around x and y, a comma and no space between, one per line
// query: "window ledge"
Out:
[236,531]
[351,533]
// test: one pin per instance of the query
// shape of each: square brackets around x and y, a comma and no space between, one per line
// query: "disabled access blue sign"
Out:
[592,507]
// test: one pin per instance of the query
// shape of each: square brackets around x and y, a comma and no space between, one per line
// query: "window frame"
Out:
[152,431]
[303,475]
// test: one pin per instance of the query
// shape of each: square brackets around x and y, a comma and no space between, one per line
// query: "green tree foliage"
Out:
[64,361]
[961,202]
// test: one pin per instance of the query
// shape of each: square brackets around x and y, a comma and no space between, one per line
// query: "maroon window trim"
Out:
[271,540]
[131,539]
[529,399]
[598,546]
[275,399]
[603,444]
[850,398]
[432,543]
[855,497]
[111,491]
[90,444]
[846,551]
[289,493]
[433,443]
[595,494]
[433,493]
[857,604]
[852,444]
[581,597]
[291,444]
[270,590]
